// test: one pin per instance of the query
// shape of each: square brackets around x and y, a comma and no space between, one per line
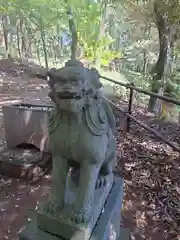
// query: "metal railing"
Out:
[130,118]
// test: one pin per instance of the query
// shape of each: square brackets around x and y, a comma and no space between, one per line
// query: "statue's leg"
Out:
[111,158]
[85,196]
[108,165]
[59,176]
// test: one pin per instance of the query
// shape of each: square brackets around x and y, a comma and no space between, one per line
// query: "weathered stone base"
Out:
[54,224]
[107,226]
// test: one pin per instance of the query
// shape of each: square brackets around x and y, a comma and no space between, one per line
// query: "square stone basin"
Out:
[26,124]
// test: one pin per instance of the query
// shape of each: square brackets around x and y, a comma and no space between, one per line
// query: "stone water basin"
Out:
[26,124]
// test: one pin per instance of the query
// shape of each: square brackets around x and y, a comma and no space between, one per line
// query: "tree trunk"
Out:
[72,27]
[5,32]
[44,48]
[29,49]
[147,29]
[101,33]
[145,62]
[44,45]
[23,47]
[38,53]
[24,40]
[161,70]
[18,42]
[30,35]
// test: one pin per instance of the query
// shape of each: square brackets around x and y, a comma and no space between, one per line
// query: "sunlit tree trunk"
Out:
[18,41]
[72,27]
[44,44]
[38,52]
[5,33]
[101,34]
[147,28]
[161,70]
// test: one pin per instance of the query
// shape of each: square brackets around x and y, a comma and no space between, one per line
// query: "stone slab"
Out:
[124,234]
[15,162]
[55,224]
[22,162]
[107,226]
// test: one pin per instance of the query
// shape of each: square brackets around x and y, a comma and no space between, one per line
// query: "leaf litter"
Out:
[152,172]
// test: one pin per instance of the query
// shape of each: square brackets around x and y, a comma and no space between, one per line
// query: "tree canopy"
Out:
[130,36]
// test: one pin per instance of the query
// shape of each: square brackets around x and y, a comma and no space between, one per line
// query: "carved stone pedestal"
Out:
[54,224]
[107,227]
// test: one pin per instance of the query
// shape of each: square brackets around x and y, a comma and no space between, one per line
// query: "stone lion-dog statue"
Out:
[81,130]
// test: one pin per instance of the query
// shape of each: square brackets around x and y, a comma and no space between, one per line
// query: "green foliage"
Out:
[172,90]
[108,56]
[48,19]
[93,47]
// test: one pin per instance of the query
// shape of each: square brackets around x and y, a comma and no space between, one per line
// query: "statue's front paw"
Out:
[80,216]
[101,181]
[52,208]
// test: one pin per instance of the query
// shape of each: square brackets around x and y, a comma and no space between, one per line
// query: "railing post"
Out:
[130,104]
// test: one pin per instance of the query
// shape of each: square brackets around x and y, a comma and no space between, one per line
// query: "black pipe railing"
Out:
[129,116]
[130,86]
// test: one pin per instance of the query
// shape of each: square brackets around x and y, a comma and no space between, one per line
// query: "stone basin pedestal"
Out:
[27,151]
[26,123]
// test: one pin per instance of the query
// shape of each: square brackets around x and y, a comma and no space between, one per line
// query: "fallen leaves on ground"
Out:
[152,178]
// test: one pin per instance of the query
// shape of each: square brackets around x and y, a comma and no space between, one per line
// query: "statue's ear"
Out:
[51,74]
[96,78]
[99,94]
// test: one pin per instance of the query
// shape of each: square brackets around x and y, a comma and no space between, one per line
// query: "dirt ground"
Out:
[151,170]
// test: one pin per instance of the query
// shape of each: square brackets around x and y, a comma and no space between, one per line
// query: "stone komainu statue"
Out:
[81,130]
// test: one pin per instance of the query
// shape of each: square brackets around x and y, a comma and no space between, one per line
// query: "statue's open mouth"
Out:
[69,95]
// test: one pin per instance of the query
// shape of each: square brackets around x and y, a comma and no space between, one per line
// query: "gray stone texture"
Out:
[107,226]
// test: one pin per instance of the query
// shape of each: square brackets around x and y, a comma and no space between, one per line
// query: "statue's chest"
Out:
[68,137]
